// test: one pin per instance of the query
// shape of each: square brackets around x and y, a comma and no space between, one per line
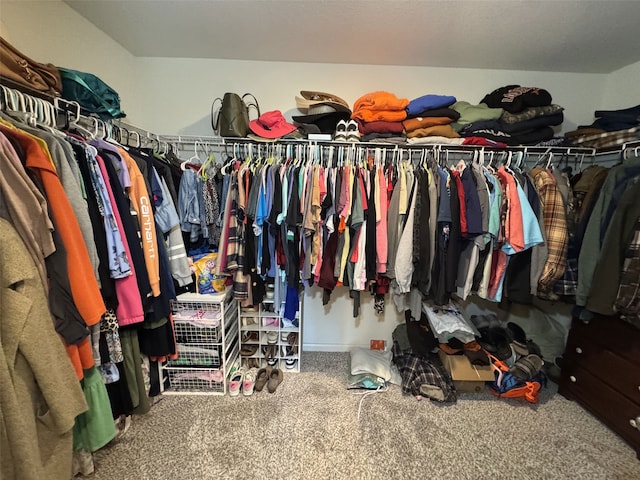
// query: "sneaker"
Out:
[290,363]
[248,382]
[235,382]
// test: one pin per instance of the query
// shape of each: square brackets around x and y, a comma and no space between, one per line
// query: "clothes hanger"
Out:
[74,123]
[507,165]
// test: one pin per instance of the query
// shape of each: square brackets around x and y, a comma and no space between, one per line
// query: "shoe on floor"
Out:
[248,382]
[474,352]
[275,379]
[235,382]
[262,377]
[527,367]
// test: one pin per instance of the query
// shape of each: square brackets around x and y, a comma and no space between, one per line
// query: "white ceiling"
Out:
[538,35]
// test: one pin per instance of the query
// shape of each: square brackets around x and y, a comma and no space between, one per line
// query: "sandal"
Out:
[262,377]
[248,350]
[275,379]
[250,336]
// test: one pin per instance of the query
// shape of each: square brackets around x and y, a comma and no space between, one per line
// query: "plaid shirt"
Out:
[555,227]
[628,301]
[607,139]
[417,371]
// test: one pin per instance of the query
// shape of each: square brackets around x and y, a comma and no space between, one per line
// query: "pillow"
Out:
[376,362]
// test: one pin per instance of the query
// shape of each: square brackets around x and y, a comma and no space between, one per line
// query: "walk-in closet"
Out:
[319,239]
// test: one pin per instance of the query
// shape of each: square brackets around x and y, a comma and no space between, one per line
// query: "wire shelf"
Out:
[196,380]
[188,332]
[201,355]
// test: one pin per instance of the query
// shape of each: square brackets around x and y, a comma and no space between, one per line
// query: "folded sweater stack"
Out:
[379,114]
[430,116]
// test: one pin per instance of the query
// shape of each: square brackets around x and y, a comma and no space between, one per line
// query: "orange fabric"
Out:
[141,203]
[530,392]
[434,131]
[513,230]
[84,286]
[81,357]
[380,101]
[380,106]
[380,115]
[423,122]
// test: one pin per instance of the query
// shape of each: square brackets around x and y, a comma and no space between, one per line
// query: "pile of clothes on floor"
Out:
[484,340]
[611,128]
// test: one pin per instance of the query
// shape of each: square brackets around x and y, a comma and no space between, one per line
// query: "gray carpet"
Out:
[309,429]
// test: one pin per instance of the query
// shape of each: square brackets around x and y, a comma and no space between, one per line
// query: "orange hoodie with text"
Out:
[141,203]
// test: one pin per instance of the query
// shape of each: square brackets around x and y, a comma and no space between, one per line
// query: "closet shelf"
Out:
[242,141]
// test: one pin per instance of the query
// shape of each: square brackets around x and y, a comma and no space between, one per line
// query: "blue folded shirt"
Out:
[420,105]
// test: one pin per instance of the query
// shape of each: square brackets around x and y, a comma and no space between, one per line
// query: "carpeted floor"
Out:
[309,429]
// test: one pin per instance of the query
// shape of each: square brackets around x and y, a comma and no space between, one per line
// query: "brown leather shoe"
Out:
[275,379]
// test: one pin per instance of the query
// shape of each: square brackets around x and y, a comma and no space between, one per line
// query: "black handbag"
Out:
[231,119]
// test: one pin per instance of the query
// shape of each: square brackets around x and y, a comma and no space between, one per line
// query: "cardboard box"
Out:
[467,378]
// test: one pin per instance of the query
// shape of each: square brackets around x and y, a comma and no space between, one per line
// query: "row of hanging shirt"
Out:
[100,222]
[374,224]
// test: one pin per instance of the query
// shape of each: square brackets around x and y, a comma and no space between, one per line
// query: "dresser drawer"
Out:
[616,335]
[613,370]
[606,404]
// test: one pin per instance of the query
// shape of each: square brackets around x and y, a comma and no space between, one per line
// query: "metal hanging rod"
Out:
[228,142]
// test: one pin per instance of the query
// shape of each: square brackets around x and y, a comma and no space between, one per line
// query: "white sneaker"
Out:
[249,381]
[235,382]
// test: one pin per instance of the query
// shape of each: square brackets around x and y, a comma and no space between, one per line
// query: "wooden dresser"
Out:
[601,371]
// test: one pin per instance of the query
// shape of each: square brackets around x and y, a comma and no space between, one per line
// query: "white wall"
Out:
[173,96]
[622,88]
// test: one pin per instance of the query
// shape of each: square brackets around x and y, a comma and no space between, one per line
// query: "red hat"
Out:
[271,125]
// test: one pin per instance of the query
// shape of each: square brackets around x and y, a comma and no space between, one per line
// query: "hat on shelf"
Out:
[309,99]
[271,125]
[321,118]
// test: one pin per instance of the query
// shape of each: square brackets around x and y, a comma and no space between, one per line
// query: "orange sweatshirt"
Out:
[435,131]
[142,205]
[424,122]
[377,106]
[380,101]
